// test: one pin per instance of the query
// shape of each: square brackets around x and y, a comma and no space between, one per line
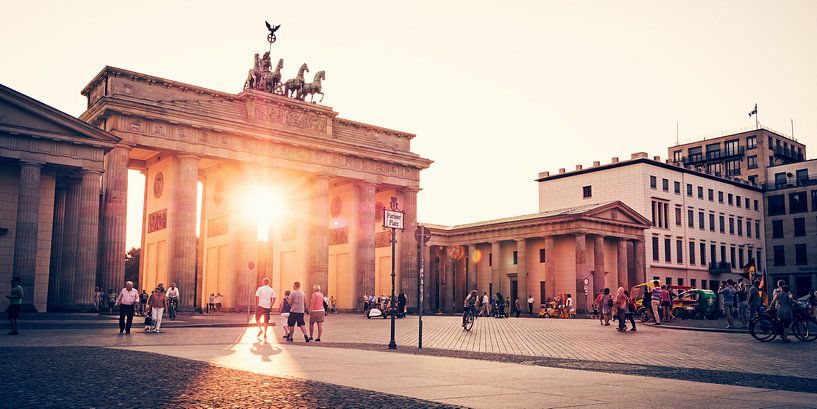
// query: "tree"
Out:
[132,265]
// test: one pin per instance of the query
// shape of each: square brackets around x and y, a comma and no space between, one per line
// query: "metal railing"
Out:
[720,267]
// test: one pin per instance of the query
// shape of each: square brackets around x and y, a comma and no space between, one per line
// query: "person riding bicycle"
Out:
[172,300]
[470,305]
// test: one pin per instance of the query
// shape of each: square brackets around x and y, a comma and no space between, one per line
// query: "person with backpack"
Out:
[742,295]
[655,302]
[606,302]
[628,315]
[621,307]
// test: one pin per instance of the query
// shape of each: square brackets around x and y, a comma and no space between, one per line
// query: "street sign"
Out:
[251,265]
[422,234]
[586,281]
[393,219]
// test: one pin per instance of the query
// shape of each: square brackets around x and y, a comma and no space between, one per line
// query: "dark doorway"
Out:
[802,285]
[514,294]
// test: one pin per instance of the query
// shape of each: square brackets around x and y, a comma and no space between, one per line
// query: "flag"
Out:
[749,270]
[762,288]
[754,111]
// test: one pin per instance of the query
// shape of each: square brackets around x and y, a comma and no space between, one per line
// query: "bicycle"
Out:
[766,326]
[470,317]
[171,308]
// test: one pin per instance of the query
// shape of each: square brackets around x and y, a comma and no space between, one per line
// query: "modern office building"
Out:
[743,155]
[791,225]
[704,228]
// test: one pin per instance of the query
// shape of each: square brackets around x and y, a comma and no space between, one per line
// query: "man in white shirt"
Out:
[127,300]
[172,300]
[264,300]
[530,305]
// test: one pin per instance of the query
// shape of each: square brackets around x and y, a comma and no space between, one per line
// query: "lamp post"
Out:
[393,220]
[422,235]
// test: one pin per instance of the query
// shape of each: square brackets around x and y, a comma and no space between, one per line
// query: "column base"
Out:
[82,308]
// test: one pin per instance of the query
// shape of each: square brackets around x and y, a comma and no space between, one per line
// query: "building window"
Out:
[712,258]
[752,180]
[751,142]
[695,154]
[541,255]
[759,260]
[679,250]
[703,253]
[515,257]
[678,218]
[779,256]
[771,143]
[680,281]
[693,283]
[541,292]
[676,156]
[668,250]
[689,190]
[757,229]
[731,147]
[780,179]
[677,187]
[729,199]
[776,205]
[712,222]
[732,225]
[700,192]
[691,252]
[587,191]
[802,177]
[800,256]
[720,197]
[748,227]
[703,284]
[691,219]
[732,257]
[777,229]
[755,205]
[799,227]
[701,220]
[721,224]
[655,249]
[814,200]
[490,259]
[723,253]
[738,201]
[711,194]
[740,226]
[740,258]
[733,167]
[797,202]
[652,182]
[747,203]
[751,161]
[665,185]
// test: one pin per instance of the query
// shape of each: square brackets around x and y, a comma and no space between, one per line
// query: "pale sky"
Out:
[495,91]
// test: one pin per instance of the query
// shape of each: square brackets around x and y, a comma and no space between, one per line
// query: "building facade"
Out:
[50,172]
[791,225]
[541,255]
[743,155]
[703,228]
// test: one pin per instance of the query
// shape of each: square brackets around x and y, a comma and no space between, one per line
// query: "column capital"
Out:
[121,145]
[188,156]
[85,171]
[521,240]
[409,189]
[31,163]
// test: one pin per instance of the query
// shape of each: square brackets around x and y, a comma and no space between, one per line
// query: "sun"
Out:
[264,207]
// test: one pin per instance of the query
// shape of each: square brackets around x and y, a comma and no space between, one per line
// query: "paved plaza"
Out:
[501,363]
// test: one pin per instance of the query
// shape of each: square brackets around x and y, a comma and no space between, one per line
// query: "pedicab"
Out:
[696,304]
[637,294]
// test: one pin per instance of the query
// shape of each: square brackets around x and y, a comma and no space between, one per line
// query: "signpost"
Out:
[250,268]
[586,295]
[422,234]
[393,220]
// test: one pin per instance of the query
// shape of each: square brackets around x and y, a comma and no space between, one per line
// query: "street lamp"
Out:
[393,220]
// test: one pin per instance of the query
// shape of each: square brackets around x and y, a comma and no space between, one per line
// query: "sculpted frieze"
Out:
[291,118]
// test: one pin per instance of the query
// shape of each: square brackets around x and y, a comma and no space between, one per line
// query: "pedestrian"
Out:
[97,299]
[173,297]
[655,302]
[785,312]
[606,302]
[812,302]
[621,308]
[366,304]
[127,300]
[530,305]
[630,310]
[568,306]
[597,306]
[264,300]
[317,313]
[485,302]
[727,293]
[285,307]
[111,300]
[143,302]
[15,297]
[516,306]
[666,304]
[754,300]
[219,302]
[158,302]
[296,311]
[402,301]
[742,295]
[211,303]
[333,306]
[646,302]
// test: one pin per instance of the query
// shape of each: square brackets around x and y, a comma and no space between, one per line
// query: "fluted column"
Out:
[182,268]
[87,239]
[428,278]
[550,269]
[581,261]
[25,235]
[472,268]
[449,284]
[365,239]
[55,280]
[318,234]
[496,268]
[114,218]
[408,246]
[521,272]
[622,264]
[68,260]
[639,262]
[599,265]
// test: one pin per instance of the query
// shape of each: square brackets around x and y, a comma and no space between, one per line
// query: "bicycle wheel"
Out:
[763,329]
[805,329]
[469,322]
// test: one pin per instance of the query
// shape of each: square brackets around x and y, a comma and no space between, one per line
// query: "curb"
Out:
[720,330]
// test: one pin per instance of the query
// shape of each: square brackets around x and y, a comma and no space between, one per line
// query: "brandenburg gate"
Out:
[224,164]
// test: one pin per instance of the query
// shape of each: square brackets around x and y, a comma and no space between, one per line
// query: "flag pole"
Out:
[757,120]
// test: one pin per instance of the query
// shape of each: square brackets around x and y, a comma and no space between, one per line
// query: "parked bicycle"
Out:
[766,326]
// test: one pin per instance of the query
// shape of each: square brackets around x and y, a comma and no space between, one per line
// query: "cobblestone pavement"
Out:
[77,377]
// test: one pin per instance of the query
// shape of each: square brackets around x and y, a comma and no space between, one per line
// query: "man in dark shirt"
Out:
[15,298]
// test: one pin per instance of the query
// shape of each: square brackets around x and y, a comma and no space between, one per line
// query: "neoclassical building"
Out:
[541,254]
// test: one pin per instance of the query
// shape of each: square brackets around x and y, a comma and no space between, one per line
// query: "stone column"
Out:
[68,260]
[581,261]
[114,214]
[54,276]
[639,261]
[472,268]
[496,268]
[318,248]
[599,266]
[550,270]
[448,299]
[521,273]
[87,239]
[182,266]
[408,247]
[428,280]
[365,239]
[25,234]
[622,264]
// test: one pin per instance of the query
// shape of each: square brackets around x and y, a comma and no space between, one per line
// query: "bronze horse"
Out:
[294,88]
[315,86]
